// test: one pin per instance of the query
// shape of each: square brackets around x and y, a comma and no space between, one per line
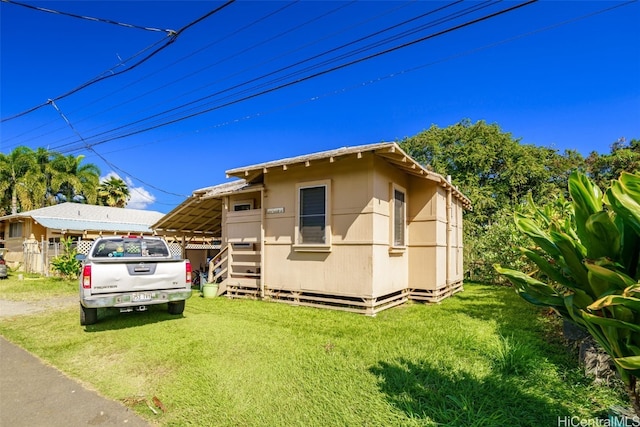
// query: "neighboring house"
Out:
[360,229]
[32,237]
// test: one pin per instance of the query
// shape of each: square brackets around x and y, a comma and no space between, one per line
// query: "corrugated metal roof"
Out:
[82,225]
[81,217]
[93,212]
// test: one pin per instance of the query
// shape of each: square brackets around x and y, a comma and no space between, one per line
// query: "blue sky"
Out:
[561,74]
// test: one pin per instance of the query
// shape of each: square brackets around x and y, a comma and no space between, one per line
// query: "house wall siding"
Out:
[348,268]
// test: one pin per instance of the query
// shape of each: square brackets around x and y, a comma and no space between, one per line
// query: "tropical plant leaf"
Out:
[616,278]
[551,270]
[572,255]
[609,322]
[587,200]
[603,237]
[624,199]
[535,291]
[629,362]
[528,226]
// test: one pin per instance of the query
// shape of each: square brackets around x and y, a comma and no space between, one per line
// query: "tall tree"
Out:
[489,165]
[72,181]
[113,192]
[624,157]
[20,179]
[497,173]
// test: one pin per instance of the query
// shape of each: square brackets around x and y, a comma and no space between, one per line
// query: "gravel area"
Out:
[21,308]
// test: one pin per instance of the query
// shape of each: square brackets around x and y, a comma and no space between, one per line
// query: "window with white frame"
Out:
[313,214]
[15,229]
[399,216]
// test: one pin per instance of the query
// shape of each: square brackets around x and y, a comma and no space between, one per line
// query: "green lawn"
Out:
[481,358]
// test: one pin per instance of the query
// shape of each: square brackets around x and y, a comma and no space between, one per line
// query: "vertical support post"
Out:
[449,230]
[262,243]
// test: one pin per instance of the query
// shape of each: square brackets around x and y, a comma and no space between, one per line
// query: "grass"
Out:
[481,358]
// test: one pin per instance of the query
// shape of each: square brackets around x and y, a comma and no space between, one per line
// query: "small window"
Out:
[15,229]
[242,205]
[312,223]
[399,217]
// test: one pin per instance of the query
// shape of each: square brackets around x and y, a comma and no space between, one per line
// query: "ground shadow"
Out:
[110,319]
[457,399]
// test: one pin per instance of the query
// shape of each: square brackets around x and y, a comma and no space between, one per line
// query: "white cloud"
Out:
[140,197]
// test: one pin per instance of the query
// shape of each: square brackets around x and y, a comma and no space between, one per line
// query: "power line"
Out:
[310,68]
[304,78]
[88,18]
[172,38]
[113,166]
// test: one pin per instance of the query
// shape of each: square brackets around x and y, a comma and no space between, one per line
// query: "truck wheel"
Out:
[176,307]
[88,316]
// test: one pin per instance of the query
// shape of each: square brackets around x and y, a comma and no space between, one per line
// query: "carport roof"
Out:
[201,213]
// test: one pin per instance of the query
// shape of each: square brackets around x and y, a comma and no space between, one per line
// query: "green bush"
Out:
[66,264]
[589,270]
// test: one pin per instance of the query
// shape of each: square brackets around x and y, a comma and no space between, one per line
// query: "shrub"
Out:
[589,267]
[66,264]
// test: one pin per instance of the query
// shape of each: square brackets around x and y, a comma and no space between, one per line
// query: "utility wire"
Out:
[293,74]
[301,79]
[375,80]
[90,148]
[172,37]
[88,18]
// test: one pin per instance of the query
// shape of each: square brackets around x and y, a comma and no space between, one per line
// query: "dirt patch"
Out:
[21,308]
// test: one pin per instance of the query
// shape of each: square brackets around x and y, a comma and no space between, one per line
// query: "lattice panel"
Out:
[83,246]
[176,249]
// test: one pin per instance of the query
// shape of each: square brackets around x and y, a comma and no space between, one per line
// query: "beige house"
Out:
[360,228]
[30,238]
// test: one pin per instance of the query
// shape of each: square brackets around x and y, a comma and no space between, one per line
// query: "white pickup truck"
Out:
[131,273]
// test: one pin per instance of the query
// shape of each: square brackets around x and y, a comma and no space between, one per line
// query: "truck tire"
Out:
[176,307]
[88,316]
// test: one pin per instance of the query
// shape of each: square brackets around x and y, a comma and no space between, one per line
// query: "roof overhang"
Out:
[389,151]
[201,213]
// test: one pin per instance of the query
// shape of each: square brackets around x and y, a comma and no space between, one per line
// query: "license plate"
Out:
[141,297]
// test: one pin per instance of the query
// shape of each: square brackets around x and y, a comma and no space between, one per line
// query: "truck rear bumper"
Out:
[130,299]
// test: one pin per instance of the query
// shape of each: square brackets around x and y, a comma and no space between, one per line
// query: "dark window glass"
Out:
[313,214]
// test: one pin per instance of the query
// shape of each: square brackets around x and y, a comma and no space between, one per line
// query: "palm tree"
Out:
[113,192]
[20,178]
[71,181]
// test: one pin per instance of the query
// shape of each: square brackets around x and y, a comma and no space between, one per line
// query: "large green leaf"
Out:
[587,200]
[529,227]
[551,270]
[624,199]
[572,256]
[616,278]
[630,362]
[535,291]
[602,236]
[609,322]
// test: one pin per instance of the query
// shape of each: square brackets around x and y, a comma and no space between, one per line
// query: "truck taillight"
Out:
[86,277]
[187,267]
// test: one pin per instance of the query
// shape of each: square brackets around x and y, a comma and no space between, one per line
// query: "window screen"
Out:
[313,211]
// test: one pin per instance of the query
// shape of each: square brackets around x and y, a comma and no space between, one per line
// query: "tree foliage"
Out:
[113,192]
[497,173]
[33,179]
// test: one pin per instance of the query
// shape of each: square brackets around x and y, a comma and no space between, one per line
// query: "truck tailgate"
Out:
[117,276]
